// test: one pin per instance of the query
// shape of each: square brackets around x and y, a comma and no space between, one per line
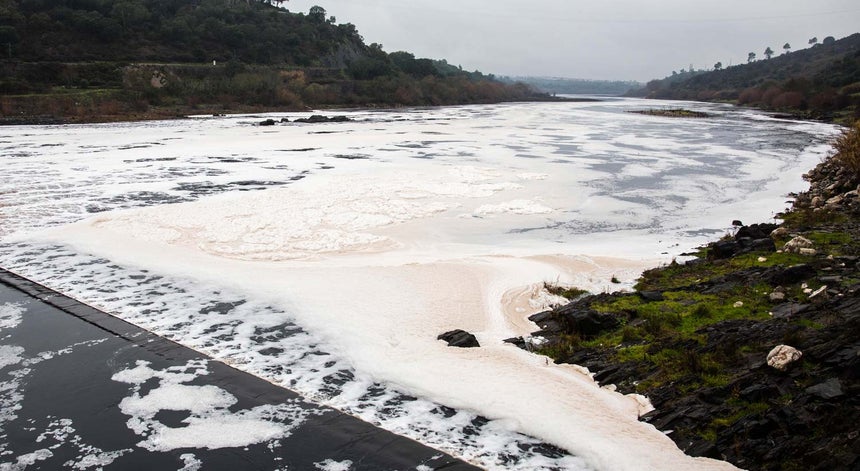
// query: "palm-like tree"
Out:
[786,47]
[768,52]
[750,57]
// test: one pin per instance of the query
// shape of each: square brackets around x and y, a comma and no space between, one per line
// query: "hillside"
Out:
[557,85]
[821,82]
[94,59]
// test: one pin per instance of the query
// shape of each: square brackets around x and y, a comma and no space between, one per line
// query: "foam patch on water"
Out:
[62,433]
[332,465]
[10,315]
[210,423]
[10,355]
[26,460]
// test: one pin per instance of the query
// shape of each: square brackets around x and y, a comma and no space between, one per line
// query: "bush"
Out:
[848,150]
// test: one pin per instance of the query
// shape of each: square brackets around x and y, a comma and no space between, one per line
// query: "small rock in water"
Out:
[459,338]
[782,356]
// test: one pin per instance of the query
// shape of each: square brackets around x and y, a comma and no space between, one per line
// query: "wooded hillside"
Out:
[84,59]
[822,81]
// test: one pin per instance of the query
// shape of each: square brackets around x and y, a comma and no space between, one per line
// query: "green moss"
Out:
[633,353]
[564,292]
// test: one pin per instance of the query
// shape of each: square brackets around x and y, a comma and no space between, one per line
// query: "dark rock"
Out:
[586,322]
[764,245]
[756,231]
[540,317]
[790,275]
[724,249]
[518,341]
[651,295]
[757,392]
[285,120]
[459,338]
[831,279]
[318,118]
[737,223]
[829,389]
[721,288]
[703,448]
[268,122]
[788,310]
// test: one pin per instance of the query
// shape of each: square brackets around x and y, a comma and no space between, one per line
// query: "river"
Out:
[327,257]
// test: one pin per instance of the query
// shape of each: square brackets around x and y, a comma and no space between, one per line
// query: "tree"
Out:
[750,57]
[317,13]
[8,36]
[813,41]
[786,47]
[718,66]
[828,40]
[768,52]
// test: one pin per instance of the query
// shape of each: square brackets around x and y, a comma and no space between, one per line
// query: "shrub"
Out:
[848,150]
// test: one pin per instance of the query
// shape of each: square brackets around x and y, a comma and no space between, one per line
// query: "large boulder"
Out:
[781,356]
[459,338]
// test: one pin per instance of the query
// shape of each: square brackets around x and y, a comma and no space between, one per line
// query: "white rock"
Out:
[762,259]
[799,242]
[779,232]
[783,355]
[738,304]
[777,296]
[818,292]
[806,251]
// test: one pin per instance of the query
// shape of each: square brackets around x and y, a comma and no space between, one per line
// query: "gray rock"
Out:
[788,310]
[830,389]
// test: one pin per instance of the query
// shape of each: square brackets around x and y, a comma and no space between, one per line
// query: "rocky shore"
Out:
[751,351]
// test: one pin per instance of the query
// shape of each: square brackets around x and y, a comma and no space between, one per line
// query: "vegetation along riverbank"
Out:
[146,59]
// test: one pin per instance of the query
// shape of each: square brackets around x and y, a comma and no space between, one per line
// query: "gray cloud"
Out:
[610,39]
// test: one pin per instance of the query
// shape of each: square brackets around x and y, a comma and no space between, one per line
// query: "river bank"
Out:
[703,339]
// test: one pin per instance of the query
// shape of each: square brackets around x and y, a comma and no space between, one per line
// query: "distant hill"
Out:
[568,86]
[822,81]
[85,59]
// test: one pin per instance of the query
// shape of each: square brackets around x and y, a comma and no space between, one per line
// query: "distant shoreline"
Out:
[160,114]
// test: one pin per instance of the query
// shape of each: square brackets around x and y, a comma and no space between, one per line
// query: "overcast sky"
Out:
[594,39]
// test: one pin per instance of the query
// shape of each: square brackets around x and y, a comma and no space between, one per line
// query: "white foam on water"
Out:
[10,315]
[190,462]
[373,258]
[24,461]
[10,355]
[332,465]
[210,423]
